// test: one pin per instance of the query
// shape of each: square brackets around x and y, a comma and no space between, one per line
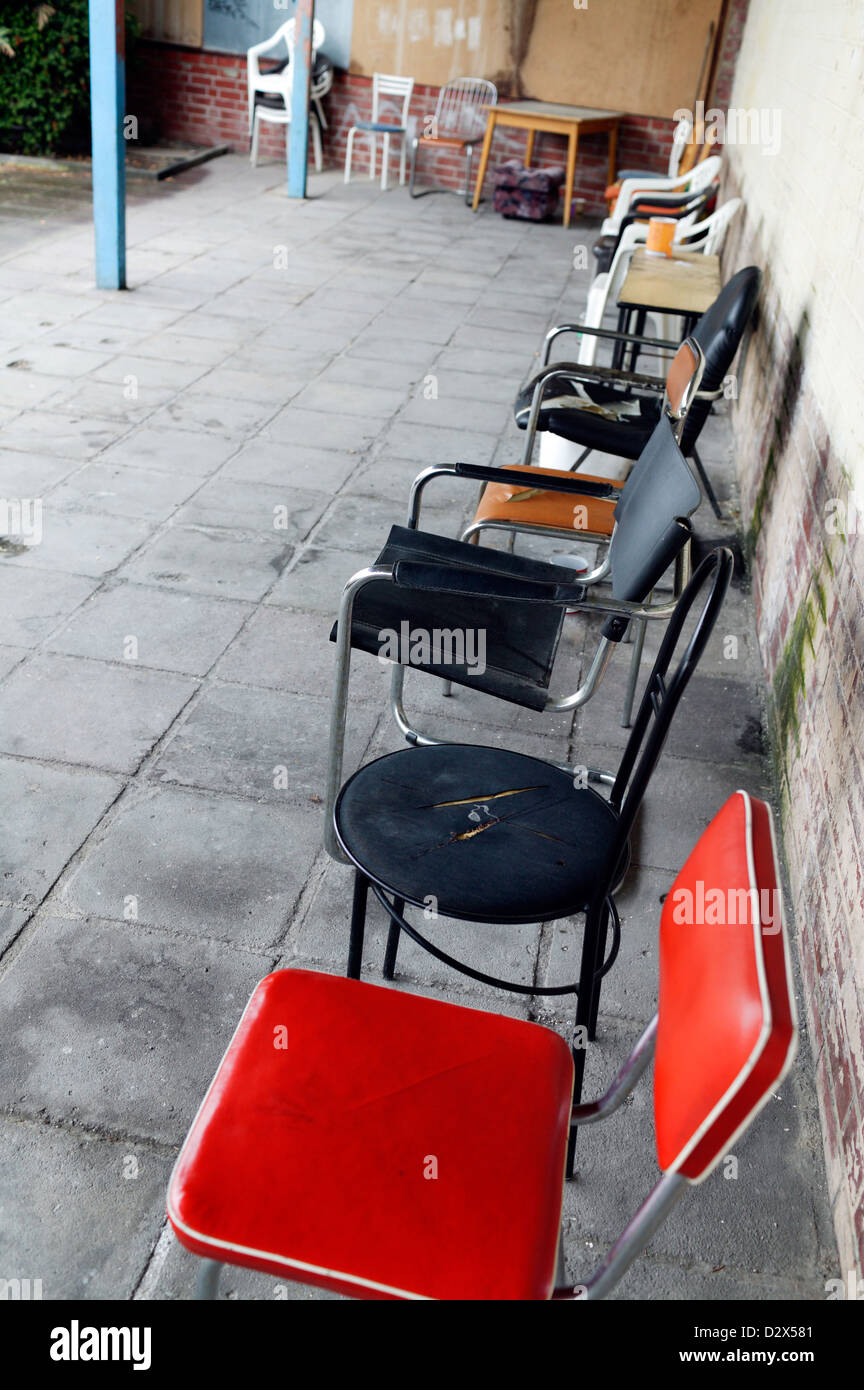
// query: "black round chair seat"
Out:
[490,835]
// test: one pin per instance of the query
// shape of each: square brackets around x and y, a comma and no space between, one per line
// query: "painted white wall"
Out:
[805,59]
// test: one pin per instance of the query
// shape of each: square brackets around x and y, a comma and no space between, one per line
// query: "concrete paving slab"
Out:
[316,578]
[171,631]
[112,490]
[80,542]
[352,434]
[87,712]
[124,1039]
[196,865]
[287,650]
[67,434]
[288,512]
[259,743]
[172,451]
[221,415]
[211,560]
[9,659]
[31,475]
[52,811]
[79,1213]
[34,602]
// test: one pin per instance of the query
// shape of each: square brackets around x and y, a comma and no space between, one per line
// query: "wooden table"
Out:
[685,283]
[534,116]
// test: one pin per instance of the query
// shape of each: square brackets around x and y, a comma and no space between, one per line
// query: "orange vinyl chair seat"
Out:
[508,502]
[309,1156]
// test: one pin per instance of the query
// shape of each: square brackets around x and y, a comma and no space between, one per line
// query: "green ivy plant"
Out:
[45,75]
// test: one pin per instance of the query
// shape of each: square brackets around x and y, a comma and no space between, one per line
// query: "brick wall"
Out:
[799,437]
[201,97]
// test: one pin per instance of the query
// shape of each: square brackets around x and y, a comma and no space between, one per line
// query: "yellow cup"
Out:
[661,235]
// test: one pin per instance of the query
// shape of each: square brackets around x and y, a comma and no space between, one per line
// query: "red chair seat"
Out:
[335,1099]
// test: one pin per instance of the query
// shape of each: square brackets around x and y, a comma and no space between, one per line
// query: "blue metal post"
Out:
[298,143]
[107,100]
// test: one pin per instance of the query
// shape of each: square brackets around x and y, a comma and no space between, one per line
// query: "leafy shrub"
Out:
[45,76]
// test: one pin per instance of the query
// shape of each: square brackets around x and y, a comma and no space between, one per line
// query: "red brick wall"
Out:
[201,97]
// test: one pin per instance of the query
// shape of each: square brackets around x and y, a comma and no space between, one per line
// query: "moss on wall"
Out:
[790,676]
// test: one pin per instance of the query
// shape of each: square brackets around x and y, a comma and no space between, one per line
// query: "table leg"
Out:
[484,158]
[529,148]
[572,151]
[620,348]
[613,152]
[641,319]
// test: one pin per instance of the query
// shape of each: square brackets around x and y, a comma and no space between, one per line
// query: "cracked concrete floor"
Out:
[165,654]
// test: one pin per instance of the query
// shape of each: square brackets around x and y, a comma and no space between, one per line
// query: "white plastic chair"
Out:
[681,137]
[383,85]
[696,179]
[706,236]
[276,87]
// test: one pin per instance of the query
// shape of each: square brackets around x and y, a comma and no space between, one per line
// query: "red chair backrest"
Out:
[727,1029]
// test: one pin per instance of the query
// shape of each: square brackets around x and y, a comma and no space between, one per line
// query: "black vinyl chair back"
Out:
[651,514]
[662,697]
[719,333]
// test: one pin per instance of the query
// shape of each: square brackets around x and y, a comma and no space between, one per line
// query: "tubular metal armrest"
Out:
[339,711]
[610,333]
[637,1063]
[615,376]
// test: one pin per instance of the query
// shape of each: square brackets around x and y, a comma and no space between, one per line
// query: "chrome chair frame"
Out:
[455,99]
[606,607]
[614,374]
[570,372]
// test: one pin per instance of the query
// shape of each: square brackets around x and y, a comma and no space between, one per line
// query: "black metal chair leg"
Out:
[358,925]
[393,936]
[594,989]
[706,483]
[587,983]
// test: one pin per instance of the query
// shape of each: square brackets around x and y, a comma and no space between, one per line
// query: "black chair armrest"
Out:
[568,482]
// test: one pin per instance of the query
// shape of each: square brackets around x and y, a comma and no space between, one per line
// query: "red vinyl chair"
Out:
[373,1142]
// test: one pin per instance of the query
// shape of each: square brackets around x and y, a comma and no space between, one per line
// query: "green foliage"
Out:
[45,76]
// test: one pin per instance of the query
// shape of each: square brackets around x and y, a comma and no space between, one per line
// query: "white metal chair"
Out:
[383,85]
[269,93]
[459,123]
